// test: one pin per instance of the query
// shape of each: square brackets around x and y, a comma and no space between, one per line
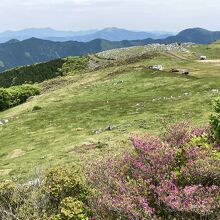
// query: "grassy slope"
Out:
[134,99]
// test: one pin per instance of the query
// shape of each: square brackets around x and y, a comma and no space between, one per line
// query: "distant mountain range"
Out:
[195,35]
[112,34]
[19,53]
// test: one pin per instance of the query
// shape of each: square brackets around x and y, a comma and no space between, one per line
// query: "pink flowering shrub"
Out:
[118,196]
[189,202]
[176,176]
[178,134]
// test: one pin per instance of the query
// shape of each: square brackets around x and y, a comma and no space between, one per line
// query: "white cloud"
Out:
[87,14]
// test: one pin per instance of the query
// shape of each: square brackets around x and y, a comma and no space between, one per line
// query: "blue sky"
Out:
[167,15]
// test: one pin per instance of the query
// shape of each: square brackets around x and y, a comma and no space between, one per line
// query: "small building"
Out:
[203,58]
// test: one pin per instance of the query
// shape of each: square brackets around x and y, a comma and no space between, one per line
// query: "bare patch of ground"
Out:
[86,147]
[16,153]
[212,62]
[209,61]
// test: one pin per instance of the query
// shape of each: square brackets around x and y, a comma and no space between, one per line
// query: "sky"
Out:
[160,15]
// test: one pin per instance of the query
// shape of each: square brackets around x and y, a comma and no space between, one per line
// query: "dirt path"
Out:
[209,61]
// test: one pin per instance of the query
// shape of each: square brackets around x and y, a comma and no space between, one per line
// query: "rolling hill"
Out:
[111,89]
[195,35]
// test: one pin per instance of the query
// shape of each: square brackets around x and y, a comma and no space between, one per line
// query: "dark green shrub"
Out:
[31,74]
[42,71]
[72,209]
[16,95]
[36,108]
[60,183]
[5,97]
[66,194]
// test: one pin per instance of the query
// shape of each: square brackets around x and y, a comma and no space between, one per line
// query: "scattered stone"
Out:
[126,53]
[99,131]
[3,121]
[215,91]
[36,182]
[6,121]
[121,81]
[111,127]
[185,72]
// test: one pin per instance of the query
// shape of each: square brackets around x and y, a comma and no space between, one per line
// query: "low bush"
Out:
[36,108]
[175,176]
[59,195]
[16,95]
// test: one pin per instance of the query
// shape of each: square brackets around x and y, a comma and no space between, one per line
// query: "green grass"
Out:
[212,51]
[130,97]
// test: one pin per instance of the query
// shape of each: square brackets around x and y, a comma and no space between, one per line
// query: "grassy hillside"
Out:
[91,115]
[212,51]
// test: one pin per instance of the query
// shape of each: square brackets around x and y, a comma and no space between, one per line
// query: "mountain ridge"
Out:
[16,53]
[113,34]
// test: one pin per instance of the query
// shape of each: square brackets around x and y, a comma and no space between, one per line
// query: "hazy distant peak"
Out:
[12,41]
[110,33]
[111,29]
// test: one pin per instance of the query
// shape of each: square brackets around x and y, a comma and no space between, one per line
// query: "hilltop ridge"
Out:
[34,50]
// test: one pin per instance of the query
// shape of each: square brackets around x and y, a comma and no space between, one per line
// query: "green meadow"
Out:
[91,114]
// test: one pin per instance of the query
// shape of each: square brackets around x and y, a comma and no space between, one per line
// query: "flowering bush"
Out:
[176,176]
[120,197]
[189,202]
